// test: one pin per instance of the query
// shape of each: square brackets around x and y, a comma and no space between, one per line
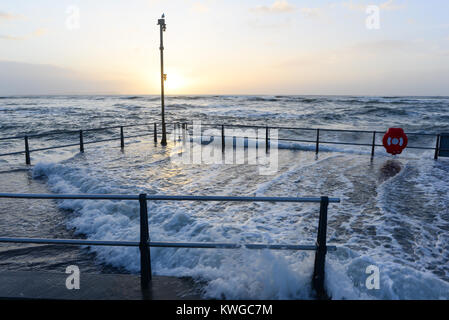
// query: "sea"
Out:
[393,216]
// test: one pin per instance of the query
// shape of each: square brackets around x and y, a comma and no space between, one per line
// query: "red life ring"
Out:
[395,140]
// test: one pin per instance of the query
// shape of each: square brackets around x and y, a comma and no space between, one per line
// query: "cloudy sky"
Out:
[225,47]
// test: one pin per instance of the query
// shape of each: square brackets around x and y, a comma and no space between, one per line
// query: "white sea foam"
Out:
[397,223]
[263,274]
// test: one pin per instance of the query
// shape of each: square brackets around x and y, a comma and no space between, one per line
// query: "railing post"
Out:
[145,260]
[155,132]
[27,151]
[437,147]
[373,145]
[122,138]
[320,254]
[174,131]
[267,141]
[222,139]
[184,129]
[81,141]
[317,141]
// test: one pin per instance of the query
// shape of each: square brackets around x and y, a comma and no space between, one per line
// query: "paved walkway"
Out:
[49,285]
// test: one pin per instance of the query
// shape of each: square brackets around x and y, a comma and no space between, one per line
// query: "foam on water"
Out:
[229,273]
[398,223]
[368,229]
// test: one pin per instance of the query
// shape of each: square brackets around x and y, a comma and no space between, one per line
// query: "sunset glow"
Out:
[225,47]
[175,83]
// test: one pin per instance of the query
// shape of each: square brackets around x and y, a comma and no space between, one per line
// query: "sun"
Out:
[175,82]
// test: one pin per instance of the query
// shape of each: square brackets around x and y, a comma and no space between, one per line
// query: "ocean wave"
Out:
[398,223]
[115,220]
[345,271]
[143,98]
[189,97]
[261,98]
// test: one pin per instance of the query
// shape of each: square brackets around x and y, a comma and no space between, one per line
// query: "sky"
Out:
[314,47]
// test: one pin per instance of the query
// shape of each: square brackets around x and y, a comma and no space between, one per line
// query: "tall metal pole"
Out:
[161,23]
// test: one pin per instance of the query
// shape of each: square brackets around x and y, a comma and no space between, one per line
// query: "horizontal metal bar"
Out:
[149,122]
[69,196]
[352,143]
[206,245]
[139,135]
[370,145]
[327,142]
[210,125]
[162,197]
[71,242]
[192,245]
[73,131]
[75,144]
[422,148]
[12,153]
[311,129]
[13,137]
[238,199]
[347,143]
[150,134]
[56,147]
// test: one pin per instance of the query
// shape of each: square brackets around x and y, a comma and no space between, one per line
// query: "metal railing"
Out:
[320,247]
[27,151]
[317,141]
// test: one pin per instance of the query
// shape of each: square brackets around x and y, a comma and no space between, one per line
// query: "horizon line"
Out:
[213,94]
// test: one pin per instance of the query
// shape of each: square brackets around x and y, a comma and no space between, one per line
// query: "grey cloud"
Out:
[18,78]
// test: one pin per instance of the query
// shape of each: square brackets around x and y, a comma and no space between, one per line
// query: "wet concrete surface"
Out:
[52,285]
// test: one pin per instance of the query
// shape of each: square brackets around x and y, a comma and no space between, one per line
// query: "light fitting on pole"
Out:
[161,22]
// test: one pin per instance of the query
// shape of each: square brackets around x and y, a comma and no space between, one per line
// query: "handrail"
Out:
[191,245]
[144,244]
[50,133]
[205,124]
[176,125]
[162,197]
[311,129]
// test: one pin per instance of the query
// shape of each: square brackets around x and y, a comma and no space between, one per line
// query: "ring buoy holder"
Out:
[395,140]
